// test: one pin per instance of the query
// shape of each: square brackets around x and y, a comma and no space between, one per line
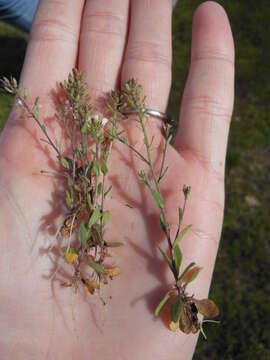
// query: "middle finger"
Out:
[102,43]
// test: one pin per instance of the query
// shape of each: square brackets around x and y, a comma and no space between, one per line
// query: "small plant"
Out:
[84,166]
[184,308]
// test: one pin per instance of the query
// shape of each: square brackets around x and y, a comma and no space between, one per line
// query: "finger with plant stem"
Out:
[102,43]
[148,54]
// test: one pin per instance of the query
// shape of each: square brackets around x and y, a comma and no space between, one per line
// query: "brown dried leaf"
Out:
[114,271]
[207,308]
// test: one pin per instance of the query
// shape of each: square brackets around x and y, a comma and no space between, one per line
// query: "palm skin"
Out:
[41,320]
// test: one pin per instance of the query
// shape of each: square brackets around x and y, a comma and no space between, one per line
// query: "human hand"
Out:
[35,311]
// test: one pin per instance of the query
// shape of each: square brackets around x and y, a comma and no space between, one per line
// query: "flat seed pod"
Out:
[207,308]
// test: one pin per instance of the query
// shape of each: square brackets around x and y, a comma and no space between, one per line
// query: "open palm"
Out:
[111,42]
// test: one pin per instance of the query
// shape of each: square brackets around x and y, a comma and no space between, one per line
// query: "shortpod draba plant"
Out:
[83,165]
[184,309]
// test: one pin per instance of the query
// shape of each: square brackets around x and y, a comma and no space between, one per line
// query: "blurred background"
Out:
[241,283]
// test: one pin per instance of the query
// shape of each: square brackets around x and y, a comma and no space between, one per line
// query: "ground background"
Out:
[241,283]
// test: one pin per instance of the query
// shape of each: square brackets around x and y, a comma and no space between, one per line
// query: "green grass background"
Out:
[241,283]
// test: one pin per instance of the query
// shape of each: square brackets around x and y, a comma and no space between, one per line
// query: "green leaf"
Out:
[107,191]
[71,250]
[176,309]
[96,168]
[70,181]
[177,257]
[114,244]
[162,222]
[104,168]
[184,272]
[105,217]
[99,188]
[143,177]
[94,217]
[84,127]
[181,215]
[194,274]
[181,234]
[162,303]
[68,198]
[166,258]
[83,234]
[97,267]
[64,162]
[35,114]
[158,199]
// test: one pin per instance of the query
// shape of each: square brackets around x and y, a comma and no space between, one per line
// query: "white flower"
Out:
[19,102]
[95,117]
[104,121]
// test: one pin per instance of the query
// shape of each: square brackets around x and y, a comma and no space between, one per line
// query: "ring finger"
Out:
[148,54]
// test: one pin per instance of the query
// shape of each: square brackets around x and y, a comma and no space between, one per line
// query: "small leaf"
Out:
[35,114]
[178,257]
[143,177]
[104,168]
[83,234]
[70,181]
[162,303]
[107,191]
[64,162]
[184,272]
[84,127]
[114,271]
[162,222]
[105,217]
[114,244]
[94,217]
[97,267]
[191,275]
[96,168]
[166,258]
[68,198]
[71,250]
[176,309]
[158,199]
[99,188]
[181,234]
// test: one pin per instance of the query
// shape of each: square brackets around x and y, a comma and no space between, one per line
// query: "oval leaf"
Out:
[166,258]
[97,267]
[158,199]
[181,234]
[176,309]
[177,257]
[83,234]
[94,217]
[162,303]
[105,217]
[191,275]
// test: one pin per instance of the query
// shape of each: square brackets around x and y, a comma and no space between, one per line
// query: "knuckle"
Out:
[209,106]
[148,51]
[104,23]
[52,30]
